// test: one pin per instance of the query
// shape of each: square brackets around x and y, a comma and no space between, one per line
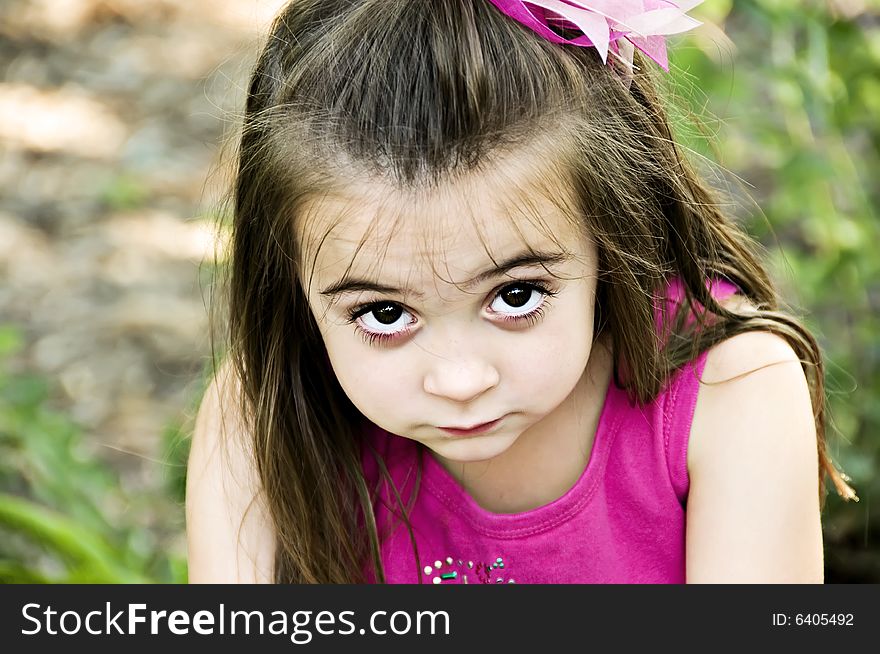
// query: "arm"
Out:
[753,507]
[229,534]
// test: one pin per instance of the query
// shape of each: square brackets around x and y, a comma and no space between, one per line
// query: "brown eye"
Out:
[384,318]
[387,314]
[516,296]
[519,300]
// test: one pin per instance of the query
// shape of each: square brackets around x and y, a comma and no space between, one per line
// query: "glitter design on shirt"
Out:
[459,571]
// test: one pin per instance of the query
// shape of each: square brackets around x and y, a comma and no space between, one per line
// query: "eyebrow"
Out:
[521,260]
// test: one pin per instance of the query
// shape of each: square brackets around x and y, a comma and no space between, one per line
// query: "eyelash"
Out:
[374,338]
[378,338]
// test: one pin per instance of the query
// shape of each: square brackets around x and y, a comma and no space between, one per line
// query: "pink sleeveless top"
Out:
[623,521]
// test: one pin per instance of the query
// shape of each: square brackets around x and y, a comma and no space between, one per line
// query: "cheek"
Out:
[376,382]
[554,360]
[549,374]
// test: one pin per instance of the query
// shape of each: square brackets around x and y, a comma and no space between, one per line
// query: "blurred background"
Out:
[113,120]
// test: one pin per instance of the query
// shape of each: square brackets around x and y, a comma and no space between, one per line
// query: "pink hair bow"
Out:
[614,25]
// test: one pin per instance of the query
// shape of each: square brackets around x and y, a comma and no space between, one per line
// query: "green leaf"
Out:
[57,533]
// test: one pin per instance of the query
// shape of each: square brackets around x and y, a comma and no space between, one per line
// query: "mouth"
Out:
[469,431]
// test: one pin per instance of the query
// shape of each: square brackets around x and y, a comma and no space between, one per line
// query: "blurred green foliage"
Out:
[64,516]
[795,110]
[124,192]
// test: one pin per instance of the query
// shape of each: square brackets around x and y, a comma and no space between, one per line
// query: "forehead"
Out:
[447,233]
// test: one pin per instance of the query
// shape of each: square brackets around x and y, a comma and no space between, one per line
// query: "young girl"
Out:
[487,326]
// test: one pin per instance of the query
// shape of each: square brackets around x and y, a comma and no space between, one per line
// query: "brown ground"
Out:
[112,114]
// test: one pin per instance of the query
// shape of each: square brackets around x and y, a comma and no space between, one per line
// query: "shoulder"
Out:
[753,358]
[752,383]
[229,538]
[753,501]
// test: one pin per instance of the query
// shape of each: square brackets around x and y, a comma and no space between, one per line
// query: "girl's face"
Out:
[448,318]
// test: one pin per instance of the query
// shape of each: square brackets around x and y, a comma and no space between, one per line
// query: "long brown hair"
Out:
[412,93]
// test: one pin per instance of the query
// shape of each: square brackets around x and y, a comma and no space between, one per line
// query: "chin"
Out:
[472,449]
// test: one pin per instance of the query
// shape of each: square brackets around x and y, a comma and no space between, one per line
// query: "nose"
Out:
[461,380]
